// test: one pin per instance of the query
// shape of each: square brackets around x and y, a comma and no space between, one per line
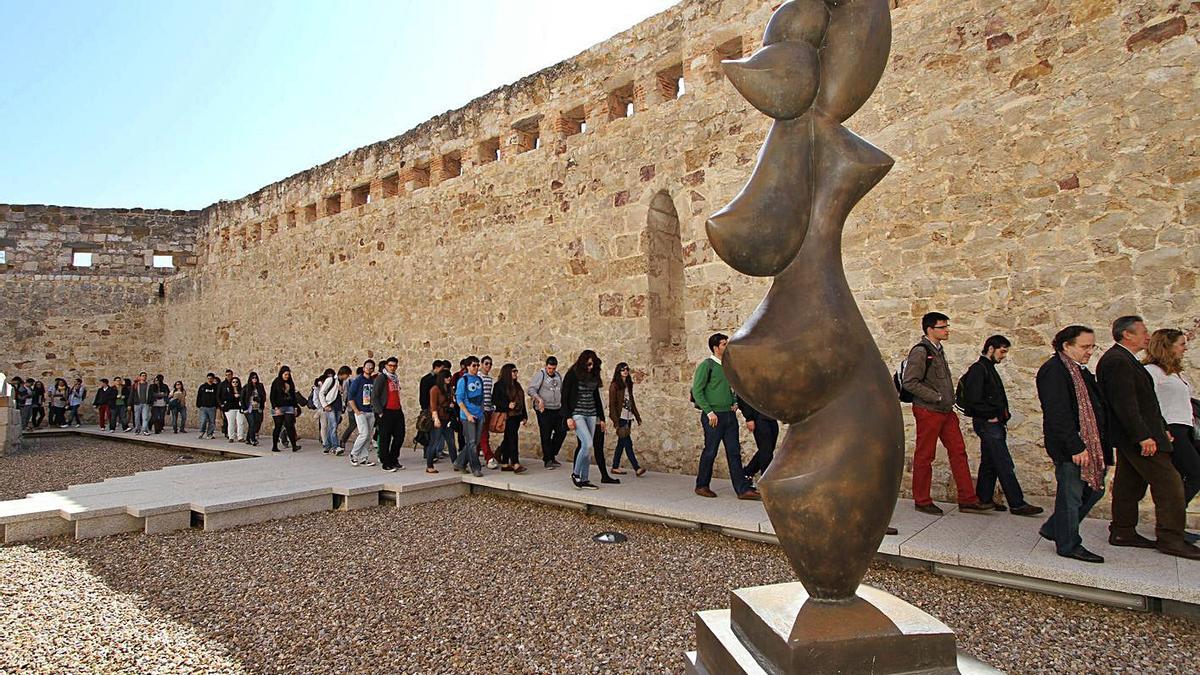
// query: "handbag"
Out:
[623,430]
[424,422]
[498,421]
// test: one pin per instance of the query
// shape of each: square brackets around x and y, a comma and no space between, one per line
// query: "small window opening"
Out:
[333,204]
[419,175]
[529,135]
[310,213]
[162,261]
[489,151]
[620,102]
[729,50]
[391,185]
[360,196]
[81,258]
[3,257]
[451,165]
[573,121]
[670,82]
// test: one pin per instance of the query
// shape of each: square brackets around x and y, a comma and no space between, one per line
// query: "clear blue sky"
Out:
[177,104]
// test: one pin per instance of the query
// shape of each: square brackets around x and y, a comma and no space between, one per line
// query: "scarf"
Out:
[1092,470]
[394,378]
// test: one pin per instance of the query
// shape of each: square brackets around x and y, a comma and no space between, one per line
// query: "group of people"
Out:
[1138,415]
[1135,414]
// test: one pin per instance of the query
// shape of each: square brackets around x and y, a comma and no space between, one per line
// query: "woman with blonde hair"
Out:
[1164,362]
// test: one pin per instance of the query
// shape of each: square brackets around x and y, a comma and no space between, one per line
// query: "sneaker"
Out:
[325,451]
[930,508]
[477,473]
[62,426]
[554,464]
[366,462]
[232,440]
[391,469]
[549,465]
[493,464]
[609,480]
[339,452]
[576,482]
[587,486]
[353,462]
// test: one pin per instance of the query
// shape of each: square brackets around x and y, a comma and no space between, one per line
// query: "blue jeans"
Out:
[472,431]
[585,430]
[624,444]
[996,462]
[439,436]
[26,413]
[725,432]
[1072,502]
[331,422]
[141,417]
[208,421]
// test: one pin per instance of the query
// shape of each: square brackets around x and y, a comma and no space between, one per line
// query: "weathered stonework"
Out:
[1045,175]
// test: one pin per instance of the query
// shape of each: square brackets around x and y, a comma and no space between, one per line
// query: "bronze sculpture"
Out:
[806,357]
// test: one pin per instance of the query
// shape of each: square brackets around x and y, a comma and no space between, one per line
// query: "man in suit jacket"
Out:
[1075,427]
[1140,436]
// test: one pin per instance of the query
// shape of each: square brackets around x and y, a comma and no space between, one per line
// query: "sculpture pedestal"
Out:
[777,629]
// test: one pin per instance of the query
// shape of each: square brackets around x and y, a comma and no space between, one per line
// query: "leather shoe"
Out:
[1136,541]
[977,507]
[1027,510]
[1189,551]
[1043,535]
[1000,507]
[1191,537]
[751,494]
[892,530]
[931,509]
[1085,555]
[705,492]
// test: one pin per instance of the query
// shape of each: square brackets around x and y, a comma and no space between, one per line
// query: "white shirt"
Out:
[1174,395]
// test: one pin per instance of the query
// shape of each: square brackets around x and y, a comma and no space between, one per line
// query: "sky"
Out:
[178,104]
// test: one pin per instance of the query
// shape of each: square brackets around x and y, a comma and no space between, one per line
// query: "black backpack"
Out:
[960,400]
[898,377]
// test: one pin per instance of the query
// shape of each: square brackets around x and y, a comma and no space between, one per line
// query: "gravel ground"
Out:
[480,584]
[52,463]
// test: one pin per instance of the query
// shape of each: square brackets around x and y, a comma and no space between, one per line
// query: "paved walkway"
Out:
[996,547]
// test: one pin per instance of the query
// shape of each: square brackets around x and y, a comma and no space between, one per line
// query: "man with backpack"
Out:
[980,394]
[718,420]
[926,378]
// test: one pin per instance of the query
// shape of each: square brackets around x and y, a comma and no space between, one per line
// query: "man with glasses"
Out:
[389,415]
[927,377]
[485,444]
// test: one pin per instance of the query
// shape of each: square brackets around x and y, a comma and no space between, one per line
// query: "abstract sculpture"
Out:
[806,357]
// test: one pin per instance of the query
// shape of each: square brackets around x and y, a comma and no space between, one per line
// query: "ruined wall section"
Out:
[60,318]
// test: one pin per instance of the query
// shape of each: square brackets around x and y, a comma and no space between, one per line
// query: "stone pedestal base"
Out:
[779,630]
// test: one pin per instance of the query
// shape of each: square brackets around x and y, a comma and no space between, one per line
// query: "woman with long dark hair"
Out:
[584,410]
[285,401]
[508,397]
[75,398]
[1164,362]
[160,393]
[441,409]
[622,410]
[254,397]
[39,403]
[58,403]
[178,407]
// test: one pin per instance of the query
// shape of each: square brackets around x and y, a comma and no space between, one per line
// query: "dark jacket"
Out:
[616,403]
[570,395]
[206,395]
[1060,412]
[379,394]
[423,390]
[280,398]
[251,390]
[159,392]
[1133,410]
[106,396]
[501,397]
[139,394]
[927,377]
[230,399]
[750,412]
[983,391]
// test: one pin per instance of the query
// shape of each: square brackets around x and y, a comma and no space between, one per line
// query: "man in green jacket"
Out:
[718,420]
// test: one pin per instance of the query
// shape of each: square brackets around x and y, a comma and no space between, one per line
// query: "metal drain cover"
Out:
[609,538]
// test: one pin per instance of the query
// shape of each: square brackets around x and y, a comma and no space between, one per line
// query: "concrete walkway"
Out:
[993,547]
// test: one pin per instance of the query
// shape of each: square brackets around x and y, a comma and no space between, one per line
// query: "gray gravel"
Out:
[53,462]
[483,584]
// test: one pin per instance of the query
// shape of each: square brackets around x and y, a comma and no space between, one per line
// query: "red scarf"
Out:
[1092,470]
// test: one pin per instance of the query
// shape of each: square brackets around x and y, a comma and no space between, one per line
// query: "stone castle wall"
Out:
[1045,174]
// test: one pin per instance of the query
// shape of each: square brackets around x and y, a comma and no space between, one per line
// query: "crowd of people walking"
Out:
[1137,415]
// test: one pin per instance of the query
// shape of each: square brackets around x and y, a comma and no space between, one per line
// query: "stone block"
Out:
[103,526]
[37,528]
[264,511]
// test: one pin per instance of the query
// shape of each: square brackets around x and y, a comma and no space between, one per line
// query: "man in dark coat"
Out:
[1074,425]
[985,401]
[1139,433]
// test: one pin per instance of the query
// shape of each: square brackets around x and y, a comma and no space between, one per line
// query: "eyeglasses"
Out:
[945,327]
